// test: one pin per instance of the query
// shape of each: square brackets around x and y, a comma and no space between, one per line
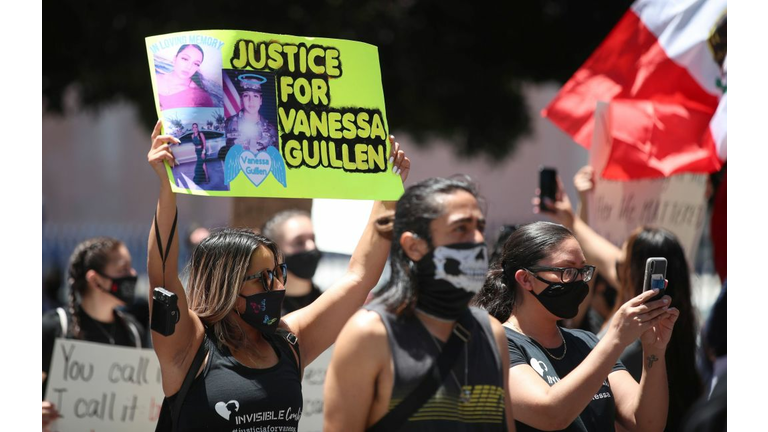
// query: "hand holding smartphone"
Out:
[547,187]
[655,276]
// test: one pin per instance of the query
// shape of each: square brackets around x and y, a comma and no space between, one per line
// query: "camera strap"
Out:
[202,351]
[164,255]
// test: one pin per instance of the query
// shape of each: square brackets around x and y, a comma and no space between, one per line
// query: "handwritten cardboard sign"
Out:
[98,387]
[272,115]
[616,208]
[312,391]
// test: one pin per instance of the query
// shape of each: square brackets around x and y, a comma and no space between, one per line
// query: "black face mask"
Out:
[264,310]
[123,288]
[563,299]
[449,276]
[303,264]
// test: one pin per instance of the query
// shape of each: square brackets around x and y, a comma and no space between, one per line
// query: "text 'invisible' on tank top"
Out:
[471,403]
[228,396]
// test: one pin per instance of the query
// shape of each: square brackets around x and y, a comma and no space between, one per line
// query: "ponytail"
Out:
[525,247]
[497,297]
[91,254]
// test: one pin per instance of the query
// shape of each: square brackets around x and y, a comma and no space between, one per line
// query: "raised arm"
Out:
[174,352]
[318,324]
[598,250]
[584,181]
[555,407]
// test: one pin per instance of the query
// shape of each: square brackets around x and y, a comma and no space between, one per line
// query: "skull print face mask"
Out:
[449,276]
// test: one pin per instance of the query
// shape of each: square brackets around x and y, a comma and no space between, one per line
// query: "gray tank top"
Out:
[464,402]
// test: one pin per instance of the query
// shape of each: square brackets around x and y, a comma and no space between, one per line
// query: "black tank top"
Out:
[414,351]
[228,396]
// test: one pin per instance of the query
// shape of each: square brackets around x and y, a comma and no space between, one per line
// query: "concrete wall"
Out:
[95,170]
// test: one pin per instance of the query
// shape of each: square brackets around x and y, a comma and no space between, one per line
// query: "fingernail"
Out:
[391,159]
[392,136]
[397,171]
[666,300]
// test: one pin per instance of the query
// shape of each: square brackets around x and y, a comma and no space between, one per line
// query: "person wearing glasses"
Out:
[567,379]
[251,377]
[624,268]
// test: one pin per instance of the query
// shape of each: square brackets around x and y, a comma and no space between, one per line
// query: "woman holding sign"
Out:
[102,279]
[251,376]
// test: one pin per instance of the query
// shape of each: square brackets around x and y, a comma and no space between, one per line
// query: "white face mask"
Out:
[449,276]
[463,265]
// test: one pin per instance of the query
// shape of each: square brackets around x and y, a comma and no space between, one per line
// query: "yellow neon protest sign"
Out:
[271,115]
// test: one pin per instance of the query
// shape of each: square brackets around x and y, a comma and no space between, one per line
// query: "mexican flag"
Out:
[663,71]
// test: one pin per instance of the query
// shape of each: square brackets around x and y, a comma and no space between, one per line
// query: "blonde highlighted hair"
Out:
[216,271]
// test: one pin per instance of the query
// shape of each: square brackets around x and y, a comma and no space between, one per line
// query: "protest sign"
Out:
[273,115]
[98,387]
[312,391]
[616,208]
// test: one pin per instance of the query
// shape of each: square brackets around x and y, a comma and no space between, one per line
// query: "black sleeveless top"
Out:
[228,396]
[414,351]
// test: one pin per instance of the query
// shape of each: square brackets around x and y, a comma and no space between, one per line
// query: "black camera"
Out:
[165,311]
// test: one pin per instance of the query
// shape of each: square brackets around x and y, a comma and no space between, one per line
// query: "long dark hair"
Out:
[197,77]
[91,254]
[525,247]
[684,382]
[416,209]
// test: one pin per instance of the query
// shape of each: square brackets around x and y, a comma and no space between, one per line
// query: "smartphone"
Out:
[547,186]
[655,275]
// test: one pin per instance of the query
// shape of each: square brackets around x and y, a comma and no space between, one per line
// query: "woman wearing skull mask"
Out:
[251,375]
[566,379]
[101,279]
[438,261]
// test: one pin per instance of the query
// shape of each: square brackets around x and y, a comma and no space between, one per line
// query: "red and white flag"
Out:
[662,70]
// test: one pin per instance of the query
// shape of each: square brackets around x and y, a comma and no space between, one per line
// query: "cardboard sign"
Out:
[98,387]
[272,115]
[616,208]
[312,391]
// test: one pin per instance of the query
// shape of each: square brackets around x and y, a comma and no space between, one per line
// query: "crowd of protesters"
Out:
[548,330]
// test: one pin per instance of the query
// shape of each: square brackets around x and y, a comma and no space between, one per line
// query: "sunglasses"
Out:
[267,277]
